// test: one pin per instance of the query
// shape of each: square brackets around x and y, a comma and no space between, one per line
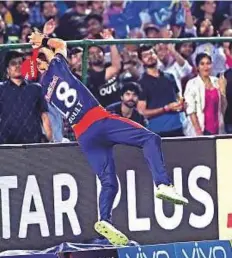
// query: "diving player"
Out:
[97,131]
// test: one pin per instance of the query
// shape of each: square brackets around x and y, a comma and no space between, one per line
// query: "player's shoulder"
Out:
[58,59]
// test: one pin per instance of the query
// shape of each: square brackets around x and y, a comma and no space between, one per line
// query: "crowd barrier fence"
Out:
[86,43]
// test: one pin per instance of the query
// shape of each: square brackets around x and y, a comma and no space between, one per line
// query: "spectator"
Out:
[129,99]
[25,31]
[186,50]
[151,31]
[114,18]
[132,67]
[205,28]
[97,7]
[5,13]
[75,61]
[228,113]
[72,23]
[94,24]
[49,12]
[170,61]
[159,101]
[20,12]
[22,106]
[35,17]
[205,9]
[205,99]
[103,79]
[223,54]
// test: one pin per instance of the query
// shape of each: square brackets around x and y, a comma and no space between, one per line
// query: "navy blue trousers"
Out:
[97,144]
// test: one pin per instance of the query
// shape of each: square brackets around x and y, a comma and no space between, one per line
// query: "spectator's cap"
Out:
[12,55]
[150,27]
[143,48]
[94,16]
[131,86]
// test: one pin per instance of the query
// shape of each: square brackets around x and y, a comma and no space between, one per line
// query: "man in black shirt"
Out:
[127,107]
[160,101]
[22,106]
[103,80]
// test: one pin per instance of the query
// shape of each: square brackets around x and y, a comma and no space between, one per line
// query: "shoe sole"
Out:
[114,236]
[168,198]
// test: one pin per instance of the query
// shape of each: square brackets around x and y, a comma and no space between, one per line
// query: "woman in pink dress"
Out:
[205,100]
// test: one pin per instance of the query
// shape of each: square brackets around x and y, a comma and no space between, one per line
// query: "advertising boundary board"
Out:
[43,193]
[203,249]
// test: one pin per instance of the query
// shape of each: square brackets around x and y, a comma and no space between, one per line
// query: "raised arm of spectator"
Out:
[179,59]
[49,27]
[46,125]
[189,23]
[115,67]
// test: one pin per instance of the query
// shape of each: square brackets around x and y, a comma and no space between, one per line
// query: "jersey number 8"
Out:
[64,93]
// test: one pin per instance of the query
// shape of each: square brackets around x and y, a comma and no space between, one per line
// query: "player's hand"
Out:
[36,39]
[49,27]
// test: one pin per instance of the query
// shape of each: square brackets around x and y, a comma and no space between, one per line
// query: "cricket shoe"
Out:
[114,236]
[168,193]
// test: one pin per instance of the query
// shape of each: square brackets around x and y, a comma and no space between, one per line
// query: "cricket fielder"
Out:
[97,131]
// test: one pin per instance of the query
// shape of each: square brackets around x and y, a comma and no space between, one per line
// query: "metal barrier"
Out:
[87,43]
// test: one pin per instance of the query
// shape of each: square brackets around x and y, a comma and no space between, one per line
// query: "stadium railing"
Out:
[85,44]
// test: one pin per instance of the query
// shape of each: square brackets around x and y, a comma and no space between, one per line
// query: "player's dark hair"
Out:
[131,86]
[200,56]
[143,48]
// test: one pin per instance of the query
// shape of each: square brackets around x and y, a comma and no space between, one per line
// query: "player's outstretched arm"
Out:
[38,40]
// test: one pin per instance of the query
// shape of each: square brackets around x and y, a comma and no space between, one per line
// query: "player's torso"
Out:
[67,94]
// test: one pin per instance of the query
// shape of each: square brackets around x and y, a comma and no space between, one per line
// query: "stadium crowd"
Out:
[174,90]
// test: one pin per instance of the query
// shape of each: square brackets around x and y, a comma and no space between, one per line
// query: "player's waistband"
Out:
[93,115]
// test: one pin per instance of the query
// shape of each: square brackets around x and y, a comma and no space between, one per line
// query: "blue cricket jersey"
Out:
[65,92]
